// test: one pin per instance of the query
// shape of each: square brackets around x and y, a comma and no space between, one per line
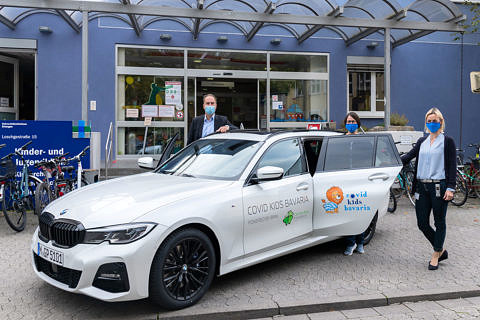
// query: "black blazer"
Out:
[450,160]
[196,128]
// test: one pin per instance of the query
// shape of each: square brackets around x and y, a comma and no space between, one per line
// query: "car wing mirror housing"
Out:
[269,173]
[145,163]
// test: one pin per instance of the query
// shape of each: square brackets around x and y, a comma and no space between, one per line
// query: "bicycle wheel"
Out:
[42,197]
[392,202]
[13,209]
[409,175]
[461,191]
[475,184]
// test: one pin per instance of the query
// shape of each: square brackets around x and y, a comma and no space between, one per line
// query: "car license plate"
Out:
[50,254]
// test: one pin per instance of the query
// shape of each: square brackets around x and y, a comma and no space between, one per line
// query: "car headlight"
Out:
[119,234]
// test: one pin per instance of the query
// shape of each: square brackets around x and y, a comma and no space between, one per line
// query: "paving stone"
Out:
[474,300]
[452,303]
[360,313]
[392,309]
[332,315]
[422,306]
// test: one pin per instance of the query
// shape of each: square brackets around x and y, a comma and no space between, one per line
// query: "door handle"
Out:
[302,187]
[377,176]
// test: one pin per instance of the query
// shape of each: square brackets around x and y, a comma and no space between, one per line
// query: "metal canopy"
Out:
[353,21]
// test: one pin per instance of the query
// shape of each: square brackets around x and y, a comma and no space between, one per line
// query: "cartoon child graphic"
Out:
[335,196]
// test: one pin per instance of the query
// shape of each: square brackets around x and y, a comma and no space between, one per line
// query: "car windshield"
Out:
[218,159]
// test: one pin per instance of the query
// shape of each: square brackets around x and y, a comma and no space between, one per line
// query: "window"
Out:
[366,91]
[349,153]
[285,154]
[385,155]
[298,100]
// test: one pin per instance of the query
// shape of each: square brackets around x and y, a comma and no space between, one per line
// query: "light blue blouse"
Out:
[431,160]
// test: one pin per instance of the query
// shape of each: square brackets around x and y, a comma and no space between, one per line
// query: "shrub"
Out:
[398,120]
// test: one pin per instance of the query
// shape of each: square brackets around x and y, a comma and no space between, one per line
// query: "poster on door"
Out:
[173,92]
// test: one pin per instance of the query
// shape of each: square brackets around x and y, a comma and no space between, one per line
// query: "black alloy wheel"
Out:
[369,233]
[182,270]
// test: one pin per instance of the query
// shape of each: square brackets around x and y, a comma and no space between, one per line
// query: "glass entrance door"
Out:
[237,99]
[8,88]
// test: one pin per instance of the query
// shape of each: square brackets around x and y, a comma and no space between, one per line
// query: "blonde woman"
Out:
[434,183]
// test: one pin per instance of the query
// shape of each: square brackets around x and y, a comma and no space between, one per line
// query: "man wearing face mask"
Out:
[210,122]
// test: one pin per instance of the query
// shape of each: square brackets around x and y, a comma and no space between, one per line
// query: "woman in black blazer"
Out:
[434,182]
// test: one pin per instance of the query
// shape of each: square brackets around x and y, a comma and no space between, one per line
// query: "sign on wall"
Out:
[49,139]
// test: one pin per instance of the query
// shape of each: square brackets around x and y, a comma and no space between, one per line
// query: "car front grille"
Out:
[63,232]
[64,275]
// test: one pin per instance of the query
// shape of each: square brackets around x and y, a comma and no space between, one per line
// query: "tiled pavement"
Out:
[393,269]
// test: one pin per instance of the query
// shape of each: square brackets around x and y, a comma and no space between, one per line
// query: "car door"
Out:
[277,212]
[167,152]
[352,181]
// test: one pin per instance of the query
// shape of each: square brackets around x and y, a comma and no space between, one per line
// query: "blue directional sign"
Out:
[49,139]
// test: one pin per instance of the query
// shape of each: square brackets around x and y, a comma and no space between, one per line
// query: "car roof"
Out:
[257,135]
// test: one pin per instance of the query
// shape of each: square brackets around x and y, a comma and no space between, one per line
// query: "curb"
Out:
[336,304]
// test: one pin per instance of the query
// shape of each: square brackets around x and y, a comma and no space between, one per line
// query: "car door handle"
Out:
[377,176]
[302,187]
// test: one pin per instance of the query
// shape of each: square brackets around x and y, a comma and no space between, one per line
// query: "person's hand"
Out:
[223,129]
[448,195]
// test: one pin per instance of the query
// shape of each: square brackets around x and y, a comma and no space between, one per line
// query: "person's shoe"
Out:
[349,250]
[444,256]
[360,249]
[432,267]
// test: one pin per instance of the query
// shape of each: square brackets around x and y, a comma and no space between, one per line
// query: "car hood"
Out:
[125,199]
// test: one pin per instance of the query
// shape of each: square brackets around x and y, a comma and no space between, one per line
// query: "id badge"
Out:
[437,190]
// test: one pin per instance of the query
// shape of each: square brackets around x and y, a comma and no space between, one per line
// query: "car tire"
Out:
[370,232]
[179,280]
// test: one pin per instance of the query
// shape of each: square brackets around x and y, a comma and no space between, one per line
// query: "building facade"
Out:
[272,80]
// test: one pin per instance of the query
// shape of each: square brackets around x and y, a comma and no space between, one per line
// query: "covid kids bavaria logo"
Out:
[355,201]
[335,197]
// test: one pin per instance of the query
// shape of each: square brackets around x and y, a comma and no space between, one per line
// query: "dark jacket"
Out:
[196,128]
[450,160]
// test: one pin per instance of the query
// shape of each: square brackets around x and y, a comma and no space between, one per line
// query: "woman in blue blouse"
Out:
[434,182]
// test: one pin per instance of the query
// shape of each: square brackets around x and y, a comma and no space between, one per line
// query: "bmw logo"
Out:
[63,212]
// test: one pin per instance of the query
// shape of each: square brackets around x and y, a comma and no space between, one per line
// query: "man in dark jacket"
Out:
[209,122]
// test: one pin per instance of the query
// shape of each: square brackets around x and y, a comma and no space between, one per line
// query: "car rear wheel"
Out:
[182,270]
[368,234]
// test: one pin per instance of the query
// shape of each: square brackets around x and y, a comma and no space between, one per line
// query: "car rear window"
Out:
[349,153]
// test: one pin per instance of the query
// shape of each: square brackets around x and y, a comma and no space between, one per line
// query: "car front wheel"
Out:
[368,234]
[182,270]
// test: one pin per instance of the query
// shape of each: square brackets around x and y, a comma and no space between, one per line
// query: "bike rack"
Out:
[108,149]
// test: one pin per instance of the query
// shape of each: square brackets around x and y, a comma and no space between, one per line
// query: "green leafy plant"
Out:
[472,26]
[398,120]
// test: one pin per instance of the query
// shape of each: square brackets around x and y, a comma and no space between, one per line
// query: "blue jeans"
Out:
[427,202]
[358,239]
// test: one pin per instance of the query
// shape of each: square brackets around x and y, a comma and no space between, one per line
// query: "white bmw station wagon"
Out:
[223,203]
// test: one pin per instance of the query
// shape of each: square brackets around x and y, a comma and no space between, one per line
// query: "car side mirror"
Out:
[145,163]
[269,173]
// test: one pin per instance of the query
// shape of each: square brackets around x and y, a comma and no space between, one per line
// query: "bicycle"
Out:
[461,187]
[47,191]
[392,202]
[77,180]
[16,195]
[471,172]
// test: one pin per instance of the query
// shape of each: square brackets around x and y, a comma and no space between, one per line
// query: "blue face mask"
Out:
[351,127]
[434,126]
[209,110]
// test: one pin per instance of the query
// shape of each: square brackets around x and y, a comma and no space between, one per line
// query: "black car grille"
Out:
[64,275]
[63,232]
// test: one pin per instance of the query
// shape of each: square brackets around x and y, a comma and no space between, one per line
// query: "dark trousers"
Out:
[358,239]
[427,202]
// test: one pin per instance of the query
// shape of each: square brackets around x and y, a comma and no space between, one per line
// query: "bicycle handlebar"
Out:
[2,145]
